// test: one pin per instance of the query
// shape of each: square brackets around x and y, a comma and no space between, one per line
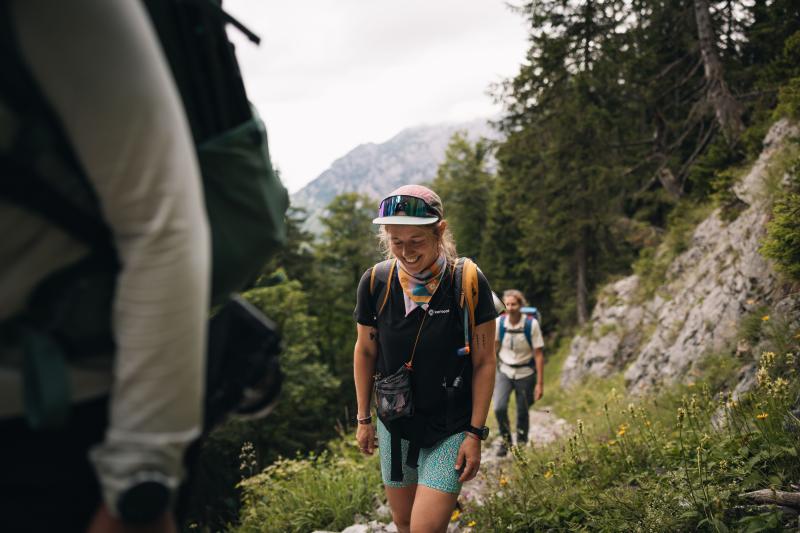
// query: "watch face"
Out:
[484,433]
[144,502]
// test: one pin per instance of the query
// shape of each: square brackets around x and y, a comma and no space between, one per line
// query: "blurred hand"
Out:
[104,522]
[365,436]
[538,392]
[469,458]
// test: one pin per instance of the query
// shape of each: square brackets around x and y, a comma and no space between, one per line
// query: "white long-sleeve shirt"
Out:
[100,66]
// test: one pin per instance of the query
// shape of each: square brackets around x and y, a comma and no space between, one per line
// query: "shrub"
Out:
[322,491]
[676,462]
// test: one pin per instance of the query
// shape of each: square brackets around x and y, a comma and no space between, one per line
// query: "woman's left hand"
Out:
[469,458]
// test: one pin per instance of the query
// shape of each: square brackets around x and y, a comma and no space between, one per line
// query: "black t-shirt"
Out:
[436,362]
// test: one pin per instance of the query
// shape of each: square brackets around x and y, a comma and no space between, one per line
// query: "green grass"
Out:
[658,463]
[323,491]
[678,460]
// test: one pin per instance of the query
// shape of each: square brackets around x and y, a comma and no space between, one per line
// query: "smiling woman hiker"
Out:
[426,346]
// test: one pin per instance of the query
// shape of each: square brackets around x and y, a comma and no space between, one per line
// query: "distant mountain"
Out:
[411,156]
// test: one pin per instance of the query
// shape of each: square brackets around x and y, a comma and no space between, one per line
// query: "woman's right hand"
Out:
[365,436]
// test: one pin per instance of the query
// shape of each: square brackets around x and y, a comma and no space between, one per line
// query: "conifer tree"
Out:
[463,183]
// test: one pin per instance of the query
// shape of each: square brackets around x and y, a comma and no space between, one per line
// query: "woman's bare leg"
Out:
[400,502]
[431,510]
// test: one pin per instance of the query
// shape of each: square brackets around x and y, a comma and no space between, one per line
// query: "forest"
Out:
[627,120]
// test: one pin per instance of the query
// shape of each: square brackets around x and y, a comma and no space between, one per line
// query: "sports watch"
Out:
[144,502]
[481,433]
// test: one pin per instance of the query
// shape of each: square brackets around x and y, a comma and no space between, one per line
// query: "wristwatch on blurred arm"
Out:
[146,498]
[482,433]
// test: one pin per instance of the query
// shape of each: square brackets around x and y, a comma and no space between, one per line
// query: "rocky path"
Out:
[545,428]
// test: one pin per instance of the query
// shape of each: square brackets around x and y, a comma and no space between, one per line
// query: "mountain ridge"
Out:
[412,155]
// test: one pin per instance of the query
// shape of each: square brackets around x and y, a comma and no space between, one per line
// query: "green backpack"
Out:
[68,314]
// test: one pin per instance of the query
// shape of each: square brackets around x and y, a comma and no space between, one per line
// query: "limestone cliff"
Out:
[707,290]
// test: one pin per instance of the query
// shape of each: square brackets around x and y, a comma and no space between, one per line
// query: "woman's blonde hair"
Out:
[514,293]
[446,242]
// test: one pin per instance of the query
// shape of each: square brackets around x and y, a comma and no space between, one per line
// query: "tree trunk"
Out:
[776,497]
[581,300]
[726,108]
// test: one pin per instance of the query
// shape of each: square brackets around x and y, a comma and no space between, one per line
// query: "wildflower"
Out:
[503,481]
[647,423]
[622,429]
[548,474]
[472,523]
[455,515]
[681,414]
[761,416]
[612,442]
[765,318]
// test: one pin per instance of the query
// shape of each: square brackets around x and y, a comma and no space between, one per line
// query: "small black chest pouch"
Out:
[393,395]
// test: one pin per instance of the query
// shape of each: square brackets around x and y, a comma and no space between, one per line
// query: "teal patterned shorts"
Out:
[436,466]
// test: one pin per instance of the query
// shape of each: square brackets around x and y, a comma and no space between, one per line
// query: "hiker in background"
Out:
[117,462]
[520,357]
[428,355]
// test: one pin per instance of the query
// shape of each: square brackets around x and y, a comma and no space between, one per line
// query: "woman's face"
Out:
[416,247]
[512,304]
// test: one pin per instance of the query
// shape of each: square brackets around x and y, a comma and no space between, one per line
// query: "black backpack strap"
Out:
[412,459]
[397,458]
[380,283]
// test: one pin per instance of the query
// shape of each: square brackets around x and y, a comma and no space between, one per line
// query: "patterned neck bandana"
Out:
[419,288]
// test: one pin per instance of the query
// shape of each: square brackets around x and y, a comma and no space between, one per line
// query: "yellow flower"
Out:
[472,523]
[503,481]
[455,515]
[761,416]
[647,423]
[622,429]
[765,318]
[612,442]
[548,474]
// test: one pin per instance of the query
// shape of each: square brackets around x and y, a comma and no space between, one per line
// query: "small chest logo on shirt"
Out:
[432,312]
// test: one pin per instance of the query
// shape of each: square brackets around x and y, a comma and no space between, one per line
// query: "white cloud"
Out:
[332,74]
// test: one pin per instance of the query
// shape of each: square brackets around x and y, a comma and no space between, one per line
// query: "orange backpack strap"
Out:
[380,283]
[470,275]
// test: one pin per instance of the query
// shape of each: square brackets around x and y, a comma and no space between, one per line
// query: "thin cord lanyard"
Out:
[414,350]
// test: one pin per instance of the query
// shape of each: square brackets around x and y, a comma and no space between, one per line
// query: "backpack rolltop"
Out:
[68,314]
[465,289]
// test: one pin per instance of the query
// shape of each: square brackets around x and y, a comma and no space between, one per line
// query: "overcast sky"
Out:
[332,74]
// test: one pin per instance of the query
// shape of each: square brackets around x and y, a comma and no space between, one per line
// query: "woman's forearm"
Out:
[482,386]
[364,356]
[483,368]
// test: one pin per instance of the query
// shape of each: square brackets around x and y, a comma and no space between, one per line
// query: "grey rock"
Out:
[705,293]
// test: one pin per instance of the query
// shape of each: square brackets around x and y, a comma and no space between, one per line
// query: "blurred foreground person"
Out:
[101,202]
[425,344]
[520,367]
